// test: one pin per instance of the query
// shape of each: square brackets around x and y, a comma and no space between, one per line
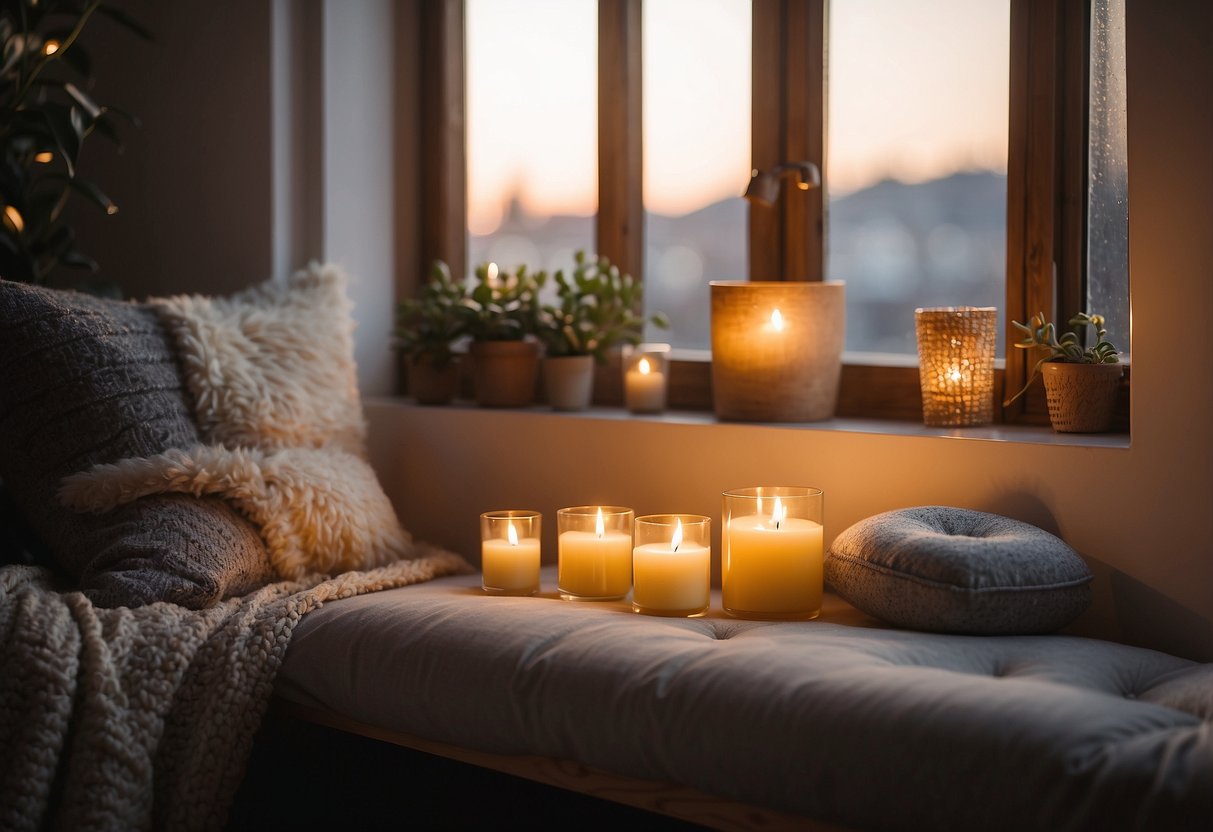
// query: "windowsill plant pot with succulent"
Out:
[1081,383]
[500,314]
[597,308]
[426,329]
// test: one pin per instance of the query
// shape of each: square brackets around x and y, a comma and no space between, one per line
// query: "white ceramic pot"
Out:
[569,381]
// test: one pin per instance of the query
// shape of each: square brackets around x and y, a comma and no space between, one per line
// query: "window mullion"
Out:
[620,220]
[804,105]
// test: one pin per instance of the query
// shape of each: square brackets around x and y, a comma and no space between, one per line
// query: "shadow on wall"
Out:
[1151,619]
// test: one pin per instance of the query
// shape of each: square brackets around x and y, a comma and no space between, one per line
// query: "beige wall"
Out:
[1142,516]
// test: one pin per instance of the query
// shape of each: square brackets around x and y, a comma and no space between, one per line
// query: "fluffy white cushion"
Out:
[319,510]
[275,390]
[272,366]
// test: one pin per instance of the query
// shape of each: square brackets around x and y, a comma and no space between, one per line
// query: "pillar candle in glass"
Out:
[645,377]
[772,552]
[956,364]
[672,565]
[594,552]
[509,552]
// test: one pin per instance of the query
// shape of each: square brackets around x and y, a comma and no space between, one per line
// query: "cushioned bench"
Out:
[839,720]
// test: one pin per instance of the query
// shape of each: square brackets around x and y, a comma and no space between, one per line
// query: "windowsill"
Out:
[1016,434]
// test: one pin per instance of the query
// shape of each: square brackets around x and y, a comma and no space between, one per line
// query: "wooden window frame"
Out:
[1046,173]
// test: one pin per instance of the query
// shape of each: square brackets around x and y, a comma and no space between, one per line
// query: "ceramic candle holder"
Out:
[595,552]
[772,552]
[672,565]
[646,377]
[509,552]
[776,349]
[956,364]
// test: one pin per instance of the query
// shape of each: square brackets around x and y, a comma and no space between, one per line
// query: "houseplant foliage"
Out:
[46,114]
[426,328]
[1080,381]
[500,313]
[596,308]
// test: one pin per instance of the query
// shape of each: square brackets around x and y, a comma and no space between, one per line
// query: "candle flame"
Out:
[511,534]
[599,528]
[779,514]
[777,321]
[491,272]
[644,367]
[676,540]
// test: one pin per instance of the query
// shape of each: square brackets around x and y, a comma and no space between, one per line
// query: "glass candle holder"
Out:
[956,364]
[645,377]
[594,552]
[672,565]
[772,552]
[509,552]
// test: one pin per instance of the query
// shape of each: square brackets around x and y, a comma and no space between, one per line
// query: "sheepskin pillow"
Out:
[272,366]
[319,510]
[954,570]
[86,381]
[275,388]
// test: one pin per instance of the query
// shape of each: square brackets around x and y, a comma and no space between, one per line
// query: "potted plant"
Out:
[46,114]
[500,314]
[1081,382]
[426,328]
[597,308]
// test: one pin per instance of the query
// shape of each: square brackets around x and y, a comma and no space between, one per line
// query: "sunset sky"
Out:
[913,95]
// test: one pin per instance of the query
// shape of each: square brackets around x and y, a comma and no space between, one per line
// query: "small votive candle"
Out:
[509,552]
[594,552]
[672,565]
[772,553]
[645,374]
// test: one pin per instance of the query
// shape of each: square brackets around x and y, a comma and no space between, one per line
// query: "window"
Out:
[916,161]
[1056,185]
[696,58]
[531,132]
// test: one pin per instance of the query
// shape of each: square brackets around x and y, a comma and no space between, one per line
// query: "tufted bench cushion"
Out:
[836,719]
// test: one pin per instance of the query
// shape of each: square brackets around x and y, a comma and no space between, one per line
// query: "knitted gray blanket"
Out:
[144,718]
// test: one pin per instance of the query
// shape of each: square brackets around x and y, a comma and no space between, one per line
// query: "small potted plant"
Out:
[597,308]
[426,328]
[1081,382]
[500,313]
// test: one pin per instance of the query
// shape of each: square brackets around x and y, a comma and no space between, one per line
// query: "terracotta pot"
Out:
[569,381]
[431,384]
[504,373]
[1082,397]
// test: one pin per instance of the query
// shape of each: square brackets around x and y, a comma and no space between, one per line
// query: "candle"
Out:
[672,570]
[776,349]
[772,562]
[594,564]
[956,347]
[509,552]
[644,378]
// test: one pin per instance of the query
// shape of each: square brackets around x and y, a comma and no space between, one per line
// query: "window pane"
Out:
[916,161]
[532,130]
[696,97]
[1108,195]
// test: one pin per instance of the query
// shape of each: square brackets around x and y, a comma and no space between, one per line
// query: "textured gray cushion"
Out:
[953,570]
[85,380]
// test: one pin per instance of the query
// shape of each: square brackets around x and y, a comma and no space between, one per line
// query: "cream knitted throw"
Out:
[144,718]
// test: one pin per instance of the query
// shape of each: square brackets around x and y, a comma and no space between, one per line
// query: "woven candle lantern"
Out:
[956,364]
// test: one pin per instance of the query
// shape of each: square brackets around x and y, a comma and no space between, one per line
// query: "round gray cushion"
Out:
[953,570]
